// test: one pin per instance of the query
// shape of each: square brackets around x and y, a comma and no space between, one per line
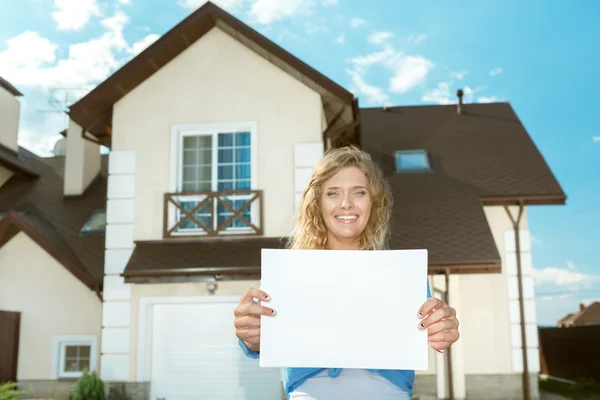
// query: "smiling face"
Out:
[346,208]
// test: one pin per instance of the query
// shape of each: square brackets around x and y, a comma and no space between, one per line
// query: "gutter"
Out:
[516,223]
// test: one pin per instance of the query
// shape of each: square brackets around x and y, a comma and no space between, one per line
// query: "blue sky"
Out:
[541,56]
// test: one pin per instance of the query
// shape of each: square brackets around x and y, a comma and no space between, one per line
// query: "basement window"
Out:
[96,223]
[412,161]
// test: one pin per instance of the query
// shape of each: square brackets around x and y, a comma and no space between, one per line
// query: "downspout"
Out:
[449,349]
[516,223]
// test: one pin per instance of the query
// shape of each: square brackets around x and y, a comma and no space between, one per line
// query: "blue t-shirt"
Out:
[294,377]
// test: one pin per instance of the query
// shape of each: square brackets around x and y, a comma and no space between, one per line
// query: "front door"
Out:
[10,323]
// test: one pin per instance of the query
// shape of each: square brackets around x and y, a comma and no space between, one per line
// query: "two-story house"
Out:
[213,133]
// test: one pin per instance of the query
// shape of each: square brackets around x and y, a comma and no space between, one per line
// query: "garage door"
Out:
[195,355]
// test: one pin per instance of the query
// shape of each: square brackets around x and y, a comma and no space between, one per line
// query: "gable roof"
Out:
[483,156]
[10,88]
[589,315]
[38,208]
[94,111]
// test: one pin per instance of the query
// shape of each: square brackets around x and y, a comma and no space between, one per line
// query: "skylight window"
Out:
[96,223]
[412,161]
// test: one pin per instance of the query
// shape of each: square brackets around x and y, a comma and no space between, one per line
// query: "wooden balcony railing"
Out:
[234,212]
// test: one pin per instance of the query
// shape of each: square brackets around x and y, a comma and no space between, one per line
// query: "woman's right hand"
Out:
[247,317]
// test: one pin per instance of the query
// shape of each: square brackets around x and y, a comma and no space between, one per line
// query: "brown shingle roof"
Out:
[483,156]
[40,203]
[93,112]
[586,316]
[204,257]
[10,88]
[12,161]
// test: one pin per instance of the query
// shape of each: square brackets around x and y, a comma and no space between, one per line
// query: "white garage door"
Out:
[195,355]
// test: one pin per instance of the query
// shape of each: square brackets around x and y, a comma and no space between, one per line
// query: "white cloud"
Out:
[268,11]
[357,22]
[416,39]
[229,5]
[125,1]
[596,139]
[341,39]
[141,45]
[373,94]
[74,14]
[561,277]
[459,75]
[407,71]
[442,95]
[330,2]
[25,58]
[488,99]
[496,71]
[380,37]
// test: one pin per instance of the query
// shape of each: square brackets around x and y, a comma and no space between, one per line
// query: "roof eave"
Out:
[557,199]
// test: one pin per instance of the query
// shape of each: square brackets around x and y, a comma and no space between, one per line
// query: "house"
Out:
[213,133]
[51,261]
[586,316]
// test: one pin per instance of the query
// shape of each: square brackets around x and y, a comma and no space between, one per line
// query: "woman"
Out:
[346,206]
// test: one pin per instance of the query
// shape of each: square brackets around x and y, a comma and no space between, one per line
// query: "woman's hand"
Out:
[440,320]
[247,317]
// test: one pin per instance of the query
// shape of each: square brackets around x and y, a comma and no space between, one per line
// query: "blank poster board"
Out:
[344,309]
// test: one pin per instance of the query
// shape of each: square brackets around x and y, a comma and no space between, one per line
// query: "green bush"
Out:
[8,391]
[88,387]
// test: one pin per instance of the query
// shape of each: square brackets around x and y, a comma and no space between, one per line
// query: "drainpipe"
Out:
[516,223]
[449,349]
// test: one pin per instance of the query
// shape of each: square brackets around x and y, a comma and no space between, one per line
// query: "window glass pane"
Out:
[225,185]
[204,173]
[190,142]
[84,364]
[225,155]
[190,157]
[204,141]
[189,174]
[412,160]
[71,365]
[242,171]
[243,185]
[242,154]
[242,139]
[205,156]
[71,351]
[225,172]
[84,352]
[225,139]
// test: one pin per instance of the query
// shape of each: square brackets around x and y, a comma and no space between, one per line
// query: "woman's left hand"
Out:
[440,320]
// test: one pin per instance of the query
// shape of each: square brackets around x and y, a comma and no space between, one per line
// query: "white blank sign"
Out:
[344,309]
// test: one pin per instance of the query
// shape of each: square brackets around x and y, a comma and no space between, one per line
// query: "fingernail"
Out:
[440,351]
[421,325]
[267,298]
[420,314]
[273,312]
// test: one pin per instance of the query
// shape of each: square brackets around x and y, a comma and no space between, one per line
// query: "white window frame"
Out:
[178,132]
[58,354]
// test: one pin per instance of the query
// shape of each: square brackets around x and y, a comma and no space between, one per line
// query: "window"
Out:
[95,224]
[412,160]
[73,355]
[215,158]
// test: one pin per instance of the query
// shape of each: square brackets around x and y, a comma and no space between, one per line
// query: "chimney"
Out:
[10,110]
[82,161]
[459,93]
[581,306]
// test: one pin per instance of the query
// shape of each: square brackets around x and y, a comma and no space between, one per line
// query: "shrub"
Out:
[88,387]
[8,391]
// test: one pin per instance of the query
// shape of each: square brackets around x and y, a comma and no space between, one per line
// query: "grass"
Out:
[583,389]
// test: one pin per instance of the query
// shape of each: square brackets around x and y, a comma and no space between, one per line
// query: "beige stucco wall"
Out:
[82,162]
[229,288]
[485,326]
[51,300]
[217,79]
[5,175]
[10,109]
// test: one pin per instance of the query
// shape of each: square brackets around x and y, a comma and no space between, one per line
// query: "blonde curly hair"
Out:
[310,231]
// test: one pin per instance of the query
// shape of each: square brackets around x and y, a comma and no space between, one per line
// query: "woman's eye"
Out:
[360,193]
[331,193]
